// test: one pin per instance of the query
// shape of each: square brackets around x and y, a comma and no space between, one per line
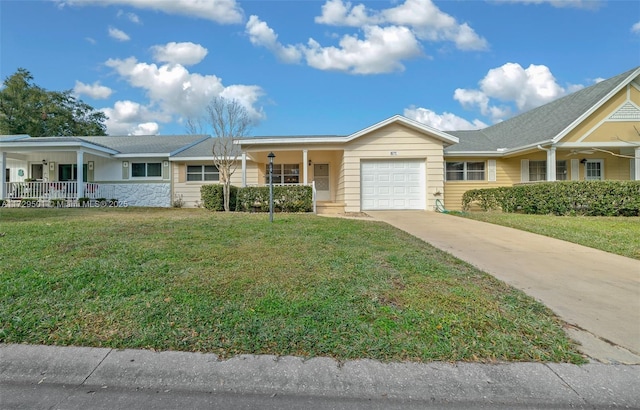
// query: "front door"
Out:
[321,179]
[36,172]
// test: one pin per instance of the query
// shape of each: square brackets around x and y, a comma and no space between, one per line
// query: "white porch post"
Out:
[637,164]
[79,174]
[551,164]
[305,166]
[3,175]
[244,169]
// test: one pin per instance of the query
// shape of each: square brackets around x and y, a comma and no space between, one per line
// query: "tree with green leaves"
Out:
[26,108]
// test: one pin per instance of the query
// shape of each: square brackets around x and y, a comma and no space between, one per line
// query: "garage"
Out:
[392,184]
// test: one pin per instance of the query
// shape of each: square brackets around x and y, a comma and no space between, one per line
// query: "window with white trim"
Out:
[283,173]
[537,170]
[465,171]
[561,170]
[146,169]
[202,173]
[594,170]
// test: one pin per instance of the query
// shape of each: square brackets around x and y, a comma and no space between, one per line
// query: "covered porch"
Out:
[319,168]
[51,170]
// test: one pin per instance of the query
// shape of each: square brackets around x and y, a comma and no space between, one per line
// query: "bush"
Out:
[57,203]
[289,198]
[213,198]
[591,198]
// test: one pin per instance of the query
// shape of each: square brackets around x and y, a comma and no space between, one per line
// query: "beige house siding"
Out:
[393,141]
[599,128]
[189,192]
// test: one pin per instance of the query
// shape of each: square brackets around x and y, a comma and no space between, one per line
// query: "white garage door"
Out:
[392,184]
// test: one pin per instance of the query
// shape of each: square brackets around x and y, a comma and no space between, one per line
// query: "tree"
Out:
[229,121]
[26,108]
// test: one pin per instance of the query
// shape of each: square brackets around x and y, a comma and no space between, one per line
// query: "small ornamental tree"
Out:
[229,121]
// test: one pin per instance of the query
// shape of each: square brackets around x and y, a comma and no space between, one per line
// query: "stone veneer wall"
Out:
[144,194]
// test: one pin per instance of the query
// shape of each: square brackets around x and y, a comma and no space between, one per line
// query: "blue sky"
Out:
[317,67]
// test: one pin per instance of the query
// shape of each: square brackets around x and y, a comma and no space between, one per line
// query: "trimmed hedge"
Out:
[289,198]
[213,197]
[591,198]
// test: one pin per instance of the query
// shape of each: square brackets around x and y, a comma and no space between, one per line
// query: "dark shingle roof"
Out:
[539,124]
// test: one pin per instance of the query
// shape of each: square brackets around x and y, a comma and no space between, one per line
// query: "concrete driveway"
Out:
[595,292]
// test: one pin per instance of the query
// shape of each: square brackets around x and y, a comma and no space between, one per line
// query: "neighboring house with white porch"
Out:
[397,163]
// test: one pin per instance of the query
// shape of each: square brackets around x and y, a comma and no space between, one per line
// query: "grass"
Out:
[192,280]
[619,235]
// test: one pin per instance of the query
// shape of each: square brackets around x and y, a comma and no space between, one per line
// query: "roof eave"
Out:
[597,105]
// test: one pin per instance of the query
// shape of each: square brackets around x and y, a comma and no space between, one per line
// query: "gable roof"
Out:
[542,125]
[445,137]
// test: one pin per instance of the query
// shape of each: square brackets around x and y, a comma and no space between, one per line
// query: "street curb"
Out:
[541,384]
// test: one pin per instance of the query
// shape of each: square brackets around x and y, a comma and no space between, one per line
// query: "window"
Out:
[465,171]
[146,169]
[202,173]
[594,170]
[537,170]
[283,173]
[561,170]
[69,172]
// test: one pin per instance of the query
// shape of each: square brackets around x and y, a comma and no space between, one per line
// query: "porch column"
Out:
[305,166]
[551,164]
[244,169]
[3,175]
[636,168]
[79,174]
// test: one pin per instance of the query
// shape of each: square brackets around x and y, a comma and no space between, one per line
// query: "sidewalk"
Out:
[597,293]
[457,385]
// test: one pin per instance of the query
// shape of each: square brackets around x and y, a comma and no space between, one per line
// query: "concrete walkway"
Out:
[595,292]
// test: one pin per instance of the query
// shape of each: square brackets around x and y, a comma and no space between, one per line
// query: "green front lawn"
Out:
[193,280]
[619,235]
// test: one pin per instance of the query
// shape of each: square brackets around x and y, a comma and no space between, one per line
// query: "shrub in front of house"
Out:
[288,198]
[590,198]
[213,198]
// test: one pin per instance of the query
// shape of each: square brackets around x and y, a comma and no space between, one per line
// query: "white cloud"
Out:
[179,53]
[381,51]
[388,37]
[147,128]
[118,34]
[512,84]
[95,90]
[444,122]
[426,21]
[132,17]
[260,34]
[338,13]
[91,40]
[578,4]
[636,28]
[172,92]
[129,117]
[220,11]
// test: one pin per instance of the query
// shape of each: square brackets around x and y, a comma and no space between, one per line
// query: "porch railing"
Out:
[66,190]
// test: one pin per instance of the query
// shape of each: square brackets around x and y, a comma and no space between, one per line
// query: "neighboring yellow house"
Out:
[396,164]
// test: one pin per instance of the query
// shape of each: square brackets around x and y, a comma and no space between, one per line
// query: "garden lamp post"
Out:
[271,156]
